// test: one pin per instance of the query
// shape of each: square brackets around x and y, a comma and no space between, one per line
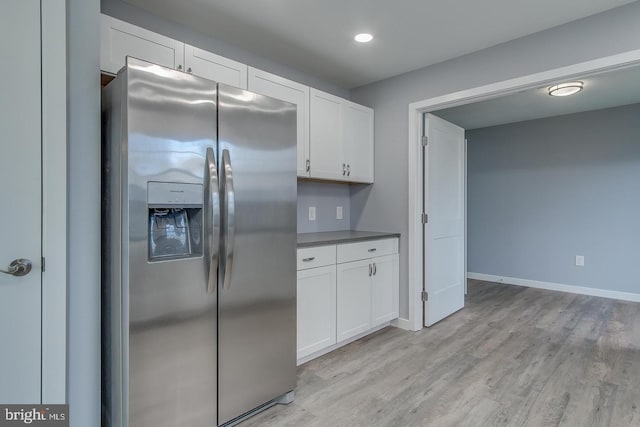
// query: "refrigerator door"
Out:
[171,322]
[257,300]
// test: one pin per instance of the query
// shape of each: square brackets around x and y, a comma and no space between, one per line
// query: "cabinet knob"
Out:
[189,70]
[179,67]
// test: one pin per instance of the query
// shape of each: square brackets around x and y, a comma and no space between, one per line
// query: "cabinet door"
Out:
[385,289]
[214,67]
[120,39]
[316,309]
[357,141]
[325,137]
[353,299]
[277,87]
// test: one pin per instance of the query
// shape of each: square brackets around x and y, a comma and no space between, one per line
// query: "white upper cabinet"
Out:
[341,139]
[280,88]
[120,39]
[357,141]
[334,135]
[214,67]
[325,136]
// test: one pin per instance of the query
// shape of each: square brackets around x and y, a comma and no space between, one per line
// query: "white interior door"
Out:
[20,192]
[444,243]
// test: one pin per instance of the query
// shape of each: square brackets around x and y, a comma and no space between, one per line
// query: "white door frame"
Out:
[480,93]
[54,200]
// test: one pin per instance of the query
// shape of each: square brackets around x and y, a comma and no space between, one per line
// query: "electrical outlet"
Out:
[580,260]
[312,213]
[339,212]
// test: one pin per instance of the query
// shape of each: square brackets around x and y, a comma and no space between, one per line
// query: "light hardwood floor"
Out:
[513,356]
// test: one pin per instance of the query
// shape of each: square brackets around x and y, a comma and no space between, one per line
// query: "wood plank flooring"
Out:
[513,356]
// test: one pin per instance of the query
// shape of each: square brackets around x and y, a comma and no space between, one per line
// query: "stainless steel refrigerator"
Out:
[199,238]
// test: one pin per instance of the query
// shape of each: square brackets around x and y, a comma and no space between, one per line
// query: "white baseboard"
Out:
[604,293]
[336,346]
[402,324]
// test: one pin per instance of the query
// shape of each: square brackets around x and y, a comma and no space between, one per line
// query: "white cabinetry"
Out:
[277,87]
[385,286]
[334,136]
[341,139]
[354,299]
[345,291]
[214,67]
[357,141]
[325,136]
[120,39]
[316,309]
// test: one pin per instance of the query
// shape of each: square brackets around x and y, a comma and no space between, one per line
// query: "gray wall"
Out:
[384,205]
[134,15]
[83,115]
[543,191]
[325,197]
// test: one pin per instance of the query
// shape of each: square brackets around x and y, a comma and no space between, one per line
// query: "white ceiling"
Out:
[611,89]
[316,36]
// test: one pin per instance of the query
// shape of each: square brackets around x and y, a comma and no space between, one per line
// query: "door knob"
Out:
[18,267]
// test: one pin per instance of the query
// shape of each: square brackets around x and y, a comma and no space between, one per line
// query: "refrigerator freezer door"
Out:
[171,318]
[257,307]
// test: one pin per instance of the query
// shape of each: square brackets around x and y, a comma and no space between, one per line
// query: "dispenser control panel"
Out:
[173,193]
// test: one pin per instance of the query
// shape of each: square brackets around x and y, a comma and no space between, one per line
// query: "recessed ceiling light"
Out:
[363,37]
[566,89]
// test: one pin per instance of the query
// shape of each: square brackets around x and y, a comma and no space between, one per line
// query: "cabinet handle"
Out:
[308,165]
[370,270]
[344,169]
[372,250]
[348,170]
[375,269]
[311,258]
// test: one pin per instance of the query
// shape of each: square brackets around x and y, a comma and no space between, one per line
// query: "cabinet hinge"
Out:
[425,218]
[425,141]
[42,262]
[425,296]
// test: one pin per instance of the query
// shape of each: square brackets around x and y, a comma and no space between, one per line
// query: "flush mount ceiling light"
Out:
[566,89]
[363,38]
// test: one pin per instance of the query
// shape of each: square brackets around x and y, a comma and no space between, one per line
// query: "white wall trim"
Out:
[480,93]
[582,290]
[54,201]
[402,324]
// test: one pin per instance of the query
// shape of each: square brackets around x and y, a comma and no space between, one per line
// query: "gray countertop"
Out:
[335,237]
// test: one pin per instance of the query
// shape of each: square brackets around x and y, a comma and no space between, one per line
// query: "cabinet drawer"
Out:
[316,257]
[368,249]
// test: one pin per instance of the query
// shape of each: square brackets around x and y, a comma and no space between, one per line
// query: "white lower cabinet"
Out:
[339,302]
[354,298]
[385,289]
[316,309]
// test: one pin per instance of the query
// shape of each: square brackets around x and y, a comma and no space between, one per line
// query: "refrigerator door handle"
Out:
[213,220]
[229,218]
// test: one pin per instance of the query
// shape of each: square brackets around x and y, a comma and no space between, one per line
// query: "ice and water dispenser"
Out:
[175,220]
